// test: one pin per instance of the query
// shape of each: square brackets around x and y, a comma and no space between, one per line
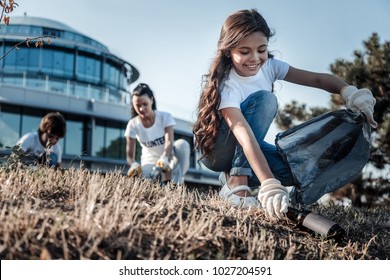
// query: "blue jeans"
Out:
[259,110]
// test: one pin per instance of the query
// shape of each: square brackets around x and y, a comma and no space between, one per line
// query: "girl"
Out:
[43,144]
[154,131]
[237,107]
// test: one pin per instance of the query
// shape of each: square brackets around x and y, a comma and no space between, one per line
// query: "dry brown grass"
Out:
[76,214]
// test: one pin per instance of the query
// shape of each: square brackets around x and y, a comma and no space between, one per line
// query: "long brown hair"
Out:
[235,28]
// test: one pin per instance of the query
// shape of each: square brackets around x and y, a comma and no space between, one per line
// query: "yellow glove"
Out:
[134,170]
[163,163]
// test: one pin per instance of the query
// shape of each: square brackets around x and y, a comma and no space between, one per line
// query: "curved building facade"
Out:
[79,77]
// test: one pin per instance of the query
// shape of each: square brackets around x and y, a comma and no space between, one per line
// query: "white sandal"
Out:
[236,200]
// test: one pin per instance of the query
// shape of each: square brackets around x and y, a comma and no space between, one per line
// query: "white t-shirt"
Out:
[151,139]
[30,144]
[237,88]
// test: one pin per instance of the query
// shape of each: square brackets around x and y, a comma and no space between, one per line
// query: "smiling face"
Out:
[250,54]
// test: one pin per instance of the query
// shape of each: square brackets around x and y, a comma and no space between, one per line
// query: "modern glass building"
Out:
[79,77]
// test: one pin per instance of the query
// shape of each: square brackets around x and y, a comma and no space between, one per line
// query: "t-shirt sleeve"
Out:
[230,96]
[131,129]
[168,119]
[278,69]
[25,142]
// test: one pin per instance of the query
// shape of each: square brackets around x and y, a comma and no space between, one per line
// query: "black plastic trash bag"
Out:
[325,153]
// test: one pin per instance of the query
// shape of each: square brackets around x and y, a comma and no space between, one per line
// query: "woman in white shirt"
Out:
[154,131]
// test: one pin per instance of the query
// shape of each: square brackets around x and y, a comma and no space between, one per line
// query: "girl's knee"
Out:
[182,154]
[182,145]
[265,97]
[261,102]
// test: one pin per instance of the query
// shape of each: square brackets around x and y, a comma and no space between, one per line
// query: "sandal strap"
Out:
[238,189]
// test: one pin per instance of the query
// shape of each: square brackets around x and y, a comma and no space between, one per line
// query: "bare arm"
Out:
[130,149]
[323,81]
[244,135]
[168,142]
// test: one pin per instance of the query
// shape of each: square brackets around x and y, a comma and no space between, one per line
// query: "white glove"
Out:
[134,170]
[360,100]
[163,163]
[273,197]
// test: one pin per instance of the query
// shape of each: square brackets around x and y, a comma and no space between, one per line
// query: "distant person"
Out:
[153,130]
[42,145]
[237,107]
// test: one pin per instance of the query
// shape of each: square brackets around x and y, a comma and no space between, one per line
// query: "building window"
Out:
[98,140]
[23,59]
[10,59]
[88,69]
[108,140]
[57,62]
[9,126]
[111,75]
[51,32]
[114,143]
[30,123]
[63,64]
[73,140]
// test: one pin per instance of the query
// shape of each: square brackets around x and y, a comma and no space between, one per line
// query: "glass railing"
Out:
[68,87]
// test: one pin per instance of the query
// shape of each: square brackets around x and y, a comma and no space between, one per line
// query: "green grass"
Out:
[76,214]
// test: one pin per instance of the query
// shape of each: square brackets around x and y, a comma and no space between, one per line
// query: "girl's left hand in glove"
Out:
[360,100]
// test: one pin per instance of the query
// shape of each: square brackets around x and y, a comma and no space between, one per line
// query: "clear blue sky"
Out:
[172,42]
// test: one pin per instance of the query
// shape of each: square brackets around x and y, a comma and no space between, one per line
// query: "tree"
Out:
[6,7]
[369,68]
